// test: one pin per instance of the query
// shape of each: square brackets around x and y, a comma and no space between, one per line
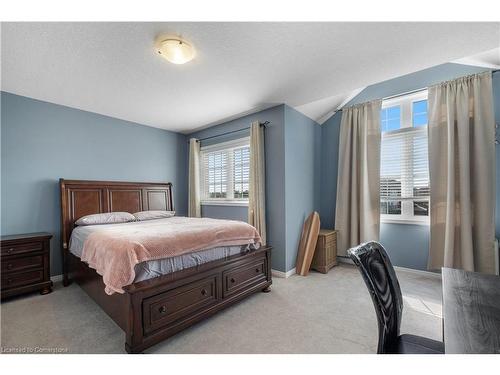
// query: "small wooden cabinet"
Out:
[325,255]
[25,262]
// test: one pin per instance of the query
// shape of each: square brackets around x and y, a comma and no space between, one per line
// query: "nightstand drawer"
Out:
[25,264]
[10,264]
[21,278]
[21,248]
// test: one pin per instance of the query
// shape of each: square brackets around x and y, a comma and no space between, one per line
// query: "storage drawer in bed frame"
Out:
[180,303]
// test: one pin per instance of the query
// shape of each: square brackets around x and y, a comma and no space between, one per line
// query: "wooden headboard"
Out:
[83,197]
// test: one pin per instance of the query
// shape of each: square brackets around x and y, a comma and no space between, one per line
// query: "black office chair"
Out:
[380,278]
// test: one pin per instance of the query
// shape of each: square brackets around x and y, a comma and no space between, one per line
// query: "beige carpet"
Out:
[320,313]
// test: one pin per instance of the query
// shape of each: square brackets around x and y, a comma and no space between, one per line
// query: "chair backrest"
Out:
[380,278]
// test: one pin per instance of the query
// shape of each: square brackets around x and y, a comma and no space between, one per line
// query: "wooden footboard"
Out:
[152,310]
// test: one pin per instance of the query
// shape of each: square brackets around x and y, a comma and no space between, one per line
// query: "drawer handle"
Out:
[257,270]
[233,280]
[162,310]
[9,281]
[9,266]
[203,292]
[10,250]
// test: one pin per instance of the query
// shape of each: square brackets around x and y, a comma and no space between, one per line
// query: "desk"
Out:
[471,312]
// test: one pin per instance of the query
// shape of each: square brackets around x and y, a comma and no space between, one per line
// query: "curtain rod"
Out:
[407,93]
[230,132]
[391,96]
[404,93]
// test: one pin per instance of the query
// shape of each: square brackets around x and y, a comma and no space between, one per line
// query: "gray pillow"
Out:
[106,218]
[149,215]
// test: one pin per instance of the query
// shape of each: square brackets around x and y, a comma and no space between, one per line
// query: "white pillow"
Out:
[149,215]
[105,218]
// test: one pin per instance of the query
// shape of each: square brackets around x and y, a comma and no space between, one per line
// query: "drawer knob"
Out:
[9,266]
[10,250]
[203,292]
[257,270]
[162,309]
[233,280]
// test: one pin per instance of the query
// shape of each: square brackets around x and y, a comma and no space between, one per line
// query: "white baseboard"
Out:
[282,274]
[56,278]
[419,272]
[397,268]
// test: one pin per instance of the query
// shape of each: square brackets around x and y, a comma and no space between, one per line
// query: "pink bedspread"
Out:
[114,252]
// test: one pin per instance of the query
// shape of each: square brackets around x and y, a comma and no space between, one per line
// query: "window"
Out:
[225,169]
[404,169]
[419,113]
[391,118]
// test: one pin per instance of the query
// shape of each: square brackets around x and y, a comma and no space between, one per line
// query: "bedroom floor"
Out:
[329,313]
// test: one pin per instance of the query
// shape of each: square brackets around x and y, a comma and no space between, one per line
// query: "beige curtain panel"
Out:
[462,171]
[357,215]
[194,204]
[257,181]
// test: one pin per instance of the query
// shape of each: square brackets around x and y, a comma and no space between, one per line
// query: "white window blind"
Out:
[241,171]
[215,166]
[404,171]
[225,172]
[404,174]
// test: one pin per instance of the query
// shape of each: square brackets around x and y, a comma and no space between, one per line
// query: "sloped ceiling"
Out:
[321,110]
[112,68]
[487,59]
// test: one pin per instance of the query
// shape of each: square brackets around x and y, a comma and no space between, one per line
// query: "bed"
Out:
[166,296]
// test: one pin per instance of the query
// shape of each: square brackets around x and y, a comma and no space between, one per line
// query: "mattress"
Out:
[154,268]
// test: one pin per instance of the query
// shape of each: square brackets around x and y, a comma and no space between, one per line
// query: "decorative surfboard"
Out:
[307,244]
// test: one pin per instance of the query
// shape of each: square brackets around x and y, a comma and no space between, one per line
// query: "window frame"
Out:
[405,103]
[229,146]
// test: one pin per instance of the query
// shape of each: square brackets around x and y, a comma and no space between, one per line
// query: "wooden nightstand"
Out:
[325,255]
[25,262]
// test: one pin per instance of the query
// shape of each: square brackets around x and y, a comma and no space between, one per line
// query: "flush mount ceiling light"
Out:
[175,50]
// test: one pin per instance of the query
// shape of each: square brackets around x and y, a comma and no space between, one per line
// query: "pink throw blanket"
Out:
[114,252]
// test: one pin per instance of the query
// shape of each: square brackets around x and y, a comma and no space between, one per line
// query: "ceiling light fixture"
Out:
[175,50]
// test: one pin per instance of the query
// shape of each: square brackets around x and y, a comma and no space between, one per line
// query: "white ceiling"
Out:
[112,68]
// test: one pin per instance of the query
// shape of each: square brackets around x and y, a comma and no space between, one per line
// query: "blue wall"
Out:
[225,212]
[330,134]
[302,179]
[42,142]
[275,176]
[407,245]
